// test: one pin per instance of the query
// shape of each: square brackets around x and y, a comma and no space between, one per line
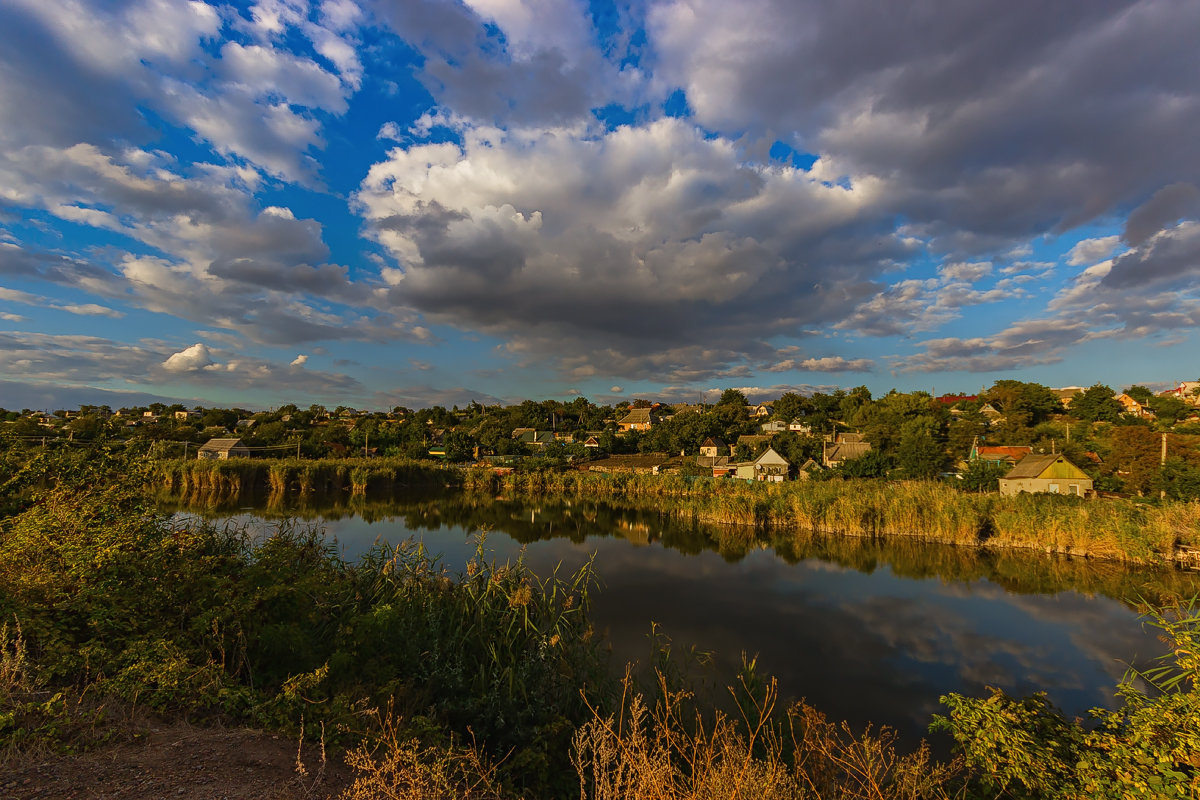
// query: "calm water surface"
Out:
[868,631]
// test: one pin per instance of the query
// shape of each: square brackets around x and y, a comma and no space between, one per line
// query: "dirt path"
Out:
[181,761]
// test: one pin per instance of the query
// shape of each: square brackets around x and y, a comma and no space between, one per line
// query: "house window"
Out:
[1073,489]
[1053,489]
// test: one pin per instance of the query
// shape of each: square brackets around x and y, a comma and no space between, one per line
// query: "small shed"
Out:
[223,449]
[1051,474]
[807,469]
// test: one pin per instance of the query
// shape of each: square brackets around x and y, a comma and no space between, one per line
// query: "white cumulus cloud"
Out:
[196,357]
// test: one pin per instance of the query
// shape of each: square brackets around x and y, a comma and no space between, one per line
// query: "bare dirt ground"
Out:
[181,761]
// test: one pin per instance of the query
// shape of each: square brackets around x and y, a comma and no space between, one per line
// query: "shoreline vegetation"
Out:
[489,683]
[1139,532]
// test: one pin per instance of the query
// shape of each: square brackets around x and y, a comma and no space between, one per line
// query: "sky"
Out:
[418,202]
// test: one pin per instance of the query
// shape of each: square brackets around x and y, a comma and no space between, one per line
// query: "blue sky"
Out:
[431,201]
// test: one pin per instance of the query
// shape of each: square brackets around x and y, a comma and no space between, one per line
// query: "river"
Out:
[868,630]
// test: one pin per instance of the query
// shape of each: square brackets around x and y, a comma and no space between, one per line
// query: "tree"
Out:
[459,446]
[1136,453]
[983,476]
[791,406]
[849,404]
[872,464]
[88,427]
[1031,402]
[964,431]
[1169,409]
[1096,404]
[919,454]
[797,449]
[732,397]
[1180,480]
[1141,394]
[219,418]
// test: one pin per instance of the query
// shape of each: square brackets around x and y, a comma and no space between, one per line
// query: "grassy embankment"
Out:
[1128,530]
[487,684]
[932,511]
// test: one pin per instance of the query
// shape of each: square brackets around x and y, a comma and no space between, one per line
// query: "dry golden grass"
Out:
[393,766]
[667,750]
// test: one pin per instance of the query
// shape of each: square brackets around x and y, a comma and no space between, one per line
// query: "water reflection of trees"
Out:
[526,521]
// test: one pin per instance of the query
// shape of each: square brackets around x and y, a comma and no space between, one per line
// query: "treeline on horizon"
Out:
[913,435]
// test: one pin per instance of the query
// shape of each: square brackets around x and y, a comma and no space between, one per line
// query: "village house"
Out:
[645,463]
[1066,394]
[999,454]
[638,419]
[695,409]
[774,426]
[955,399]
[770,466]
[753,440]
[1187,391]
[802,428]
[184,416]
[844,447]
[1132,407]
[714,455]
[222,449]
[1051,474]
[991,414]
[762,410]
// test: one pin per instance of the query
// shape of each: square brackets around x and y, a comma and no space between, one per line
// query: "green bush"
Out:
[1147,748]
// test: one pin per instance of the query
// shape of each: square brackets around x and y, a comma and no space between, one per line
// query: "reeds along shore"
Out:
[1112,529]
[928,510]
[215,479]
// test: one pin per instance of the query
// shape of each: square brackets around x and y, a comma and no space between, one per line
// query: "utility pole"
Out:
[1163,462]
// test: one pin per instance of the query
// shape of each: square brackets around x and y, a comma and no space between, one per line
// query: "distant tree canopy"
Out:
[1141,394]
[1169,409]
[732,397]
[1022,403]
[1096,404]
[790,406]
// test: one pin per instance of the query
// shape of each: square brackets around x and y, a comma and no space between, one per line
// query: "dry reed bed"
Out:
[1125,530]
[1112,529]
[228,478]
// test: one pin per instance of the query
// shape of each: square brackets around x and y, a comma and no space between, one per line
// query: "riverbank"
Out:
[486,684]
[1116,529]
